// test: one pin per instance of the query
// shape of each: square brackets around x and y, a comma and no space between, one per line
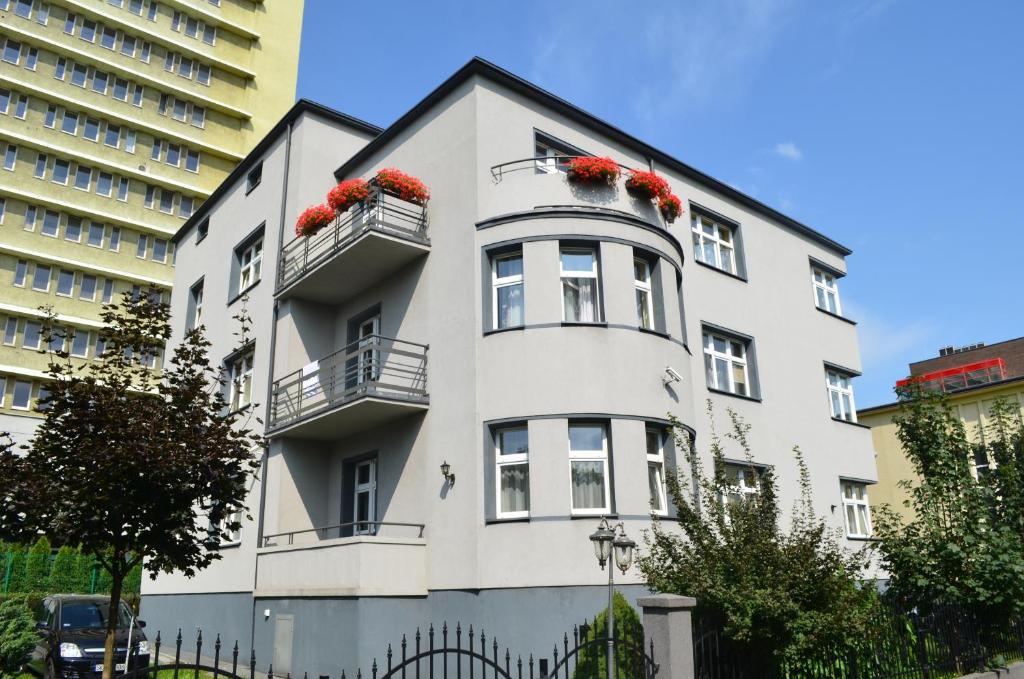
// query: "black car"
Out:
[72,628]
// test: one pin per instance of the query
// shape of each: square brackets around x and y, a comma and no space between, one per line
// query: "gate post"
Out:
[669,626]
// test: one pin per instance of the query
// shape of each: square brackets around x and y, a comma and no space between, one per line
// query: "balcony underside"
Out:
[336,422]
[369,258]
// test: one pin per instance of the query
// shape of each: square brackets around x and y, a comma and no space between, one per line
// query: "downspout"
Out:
[270,388]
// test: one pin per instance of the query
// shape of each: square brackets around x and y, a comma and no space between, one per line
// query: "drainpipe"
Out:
[270,387]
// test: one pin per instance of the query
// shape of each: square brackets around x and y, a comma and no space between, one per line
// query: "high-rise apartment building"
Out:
[117,119]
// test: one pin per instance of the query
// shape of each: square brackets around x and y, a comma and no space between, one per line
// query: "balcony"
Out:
[370,382]
[379,559]
[954,379]
[363,245]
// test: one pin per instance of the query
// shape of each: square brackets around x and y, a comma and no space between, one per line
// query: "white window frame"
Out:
[749,477]
[505,282]
[368,527]
[644,288]
[14,393]
[250,265]
[840,393]
[857,505]
[591,456]
[593,273]
[700,239]
[510,460]
[712,355]
[242,378]
[657,462]
[825,290]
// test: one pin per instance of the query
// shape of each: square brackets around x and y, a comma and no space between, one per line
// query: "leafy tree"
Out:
[63,576]
[593,659]
[134,464]
[37,566]
[17,634]
[965,542]
[777,595]
[16,569]
[85,572]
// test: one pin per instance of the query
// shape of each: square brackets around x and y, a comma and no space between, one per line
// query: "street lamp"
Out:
[611,542]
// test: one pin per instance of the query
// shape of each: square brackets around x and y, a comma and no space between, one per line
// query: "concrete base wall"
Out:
[332,634]
[1012,671]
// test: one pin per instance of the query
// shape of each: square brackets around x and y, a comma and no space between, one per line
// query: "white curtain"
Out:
[515,487]
[580,297]
[588,485]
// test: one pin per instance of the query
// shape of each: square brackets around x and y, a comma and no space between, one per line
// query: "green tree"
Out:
[85,572]
[778,595]
[964,543]
[37,566]
[134,464]
[63,576]
[17,634]
[15,572]
[593,658]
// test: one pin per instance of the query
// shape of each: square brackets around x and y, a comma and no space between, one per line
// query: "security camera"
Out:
[671,376]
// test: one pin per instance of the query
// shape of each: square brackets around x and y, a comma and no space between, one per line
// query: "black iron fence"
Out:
[947,642]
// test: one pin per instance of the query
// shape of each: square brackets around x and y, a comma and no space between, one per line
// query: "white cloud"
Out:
[883,341]
[789,150]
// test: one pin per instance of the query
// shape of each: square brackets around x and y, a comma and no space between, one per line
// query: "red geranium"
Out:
[403,185]
[643,184]
[671,207]
[348,193]
[591,170]
[313,219]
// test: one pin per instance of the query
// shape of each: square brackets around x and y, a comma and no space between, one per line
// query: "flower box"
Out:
[402,185]
[348,193]
[592,170]
[313,219]
[649,185]
[671,207]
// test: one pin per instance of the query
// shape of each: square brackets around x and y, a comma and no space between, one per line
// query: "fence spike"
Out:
[177,653]
[234,659]
[270,671]
[373,668]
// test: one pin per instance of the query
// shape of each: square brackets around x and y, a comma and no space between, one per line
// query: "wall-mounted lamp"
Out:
[446,472]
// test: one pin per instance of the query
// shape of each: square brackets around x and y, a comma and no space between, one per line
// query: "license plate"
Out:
[119,667]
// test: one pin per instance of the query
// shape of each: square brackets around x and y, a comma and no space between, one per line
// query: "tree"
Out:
[777,595]
[17,634]
[15,572]
[134,464]
[593,658]
[965,542]
[37,566]
[63,578]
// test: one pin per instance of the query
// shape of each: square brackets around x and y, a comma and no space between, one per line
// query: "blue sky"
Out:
[892,126]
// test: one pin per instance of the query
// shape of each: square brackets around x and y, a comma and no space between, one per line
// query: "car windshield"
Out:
[91,615]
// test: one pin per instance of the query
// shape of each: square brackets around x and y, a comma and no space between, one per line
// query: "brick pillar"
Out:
[668,624]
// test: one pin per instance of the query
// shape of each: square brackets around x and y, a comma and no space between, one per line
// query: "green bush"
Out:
[593,658]
[15,570]
[85,566]
[63,575]
[37,566]
[17,634]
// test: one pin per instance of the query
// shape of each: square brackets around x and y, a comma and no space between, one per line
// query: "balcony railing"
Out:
[353,528]
[956,378]
[374,366]
[382,213]
[538,165]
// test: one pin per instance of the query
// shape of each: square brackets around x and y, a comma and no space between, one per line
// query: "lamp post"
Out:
[611,542]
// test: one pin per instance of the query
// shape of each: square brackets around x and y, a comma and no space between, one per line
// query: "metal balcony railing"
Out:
[353,528]
[382,212]
[538,165]
[372,366]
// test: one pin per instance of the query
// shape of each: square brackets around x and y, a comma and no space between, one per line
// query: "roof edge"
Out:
[300,107]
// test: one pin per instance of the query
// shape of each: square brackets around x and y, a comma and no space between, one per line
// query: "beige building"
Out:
[118,118]
[973,378]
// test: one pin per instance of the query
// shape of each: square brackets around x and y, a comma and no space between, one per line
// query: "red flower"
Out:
[591,170]
[643,184]
[402,185]
[313,219]
[348,193]
[671,207]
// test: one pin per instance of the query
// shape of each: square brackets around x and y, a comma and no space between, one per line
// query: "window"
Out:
[552,156]
[250,261]
[69,24]
[150,195]
[241,381]
[108,38]
[507,284]
[11,331]
[191,27]
[655,440]
[135,7]
[32,58]
[40,171]
[12,52]
[185,206]
[512,453]
[50,119]
[87,291]
[120,89]
[142,246]
[3,209]
[192,161]
[199,119]
[104,184]
[856,509]
[92,129]
[20,273]
[21,107]
[122,189]
[33,335]
[101,347]
[95,238]
[115,238]
[22,394]
[129,142]
[154,8]
[51,223]
[253,179]
[202,230]
[147,50]
[69,123]
[364,495]
[725,364]
[588,465]
[154,153]
[41,278]
[196,299]
[5,100]
[65,282]
[840,395]
[642,285]
[83,178]
[73,229]
[203,74]
[61,170]
[159,250]
[60,68]
[10,157]
[138,92]
[209,34]
[178,110]
[23,8]
[743,482]
[173,155]
[826,291]
[108,294]
[580,302]
[128,43]
[43,13]
[80,344]
[57,337]
[166,201]
[713,243]
[79,74]
[112,137]
[185,67]
[88,32]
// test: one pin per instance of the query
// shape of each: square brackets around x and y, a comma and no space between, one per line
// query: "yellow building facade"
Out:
[117,119]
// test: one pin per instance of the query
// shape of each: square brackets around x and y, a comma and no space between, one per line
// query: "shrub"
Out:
[313,219]
[63,575]
[649,185]
[402,185]
[17,634]
[591,170]
[593,659]
[86,569]
[15,569]
[671,207]
[348,193]
[37,566]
